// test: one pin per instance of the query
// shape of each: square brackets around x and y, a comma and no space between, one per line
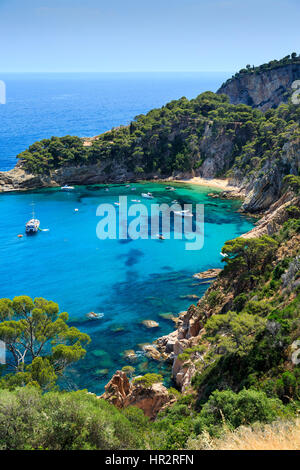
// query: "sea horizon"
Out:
[41,105]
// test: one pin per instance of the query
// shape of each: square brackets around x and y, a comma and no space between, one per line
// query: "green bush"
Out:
[236,409]
[66,421]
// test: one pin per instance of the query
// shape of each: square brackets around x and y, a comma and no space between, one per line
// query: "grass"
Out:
[280,435]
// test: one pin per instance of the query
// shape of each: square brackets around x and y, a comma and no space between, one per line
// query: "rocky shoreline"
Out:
[188,332]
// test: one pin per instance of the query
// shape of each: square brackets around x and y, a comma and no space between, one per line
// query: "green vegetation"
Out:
[66,421]
[148,380]
[39,343]
[244,372]
[273,64]
[249,317]
[180,136]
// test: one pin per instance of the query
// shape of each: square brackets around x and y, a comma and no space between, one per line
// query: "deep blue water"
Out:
[129,281]
[42,105]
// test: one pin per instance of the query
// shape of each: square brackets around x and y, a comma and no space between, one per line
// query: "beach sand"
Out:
[218,183]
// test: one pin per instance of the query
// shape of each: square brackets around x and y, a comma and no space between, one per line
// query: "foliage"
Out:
[234,333]
[148,380]
[39,343]
[290,59]
[236,409]
[66,421]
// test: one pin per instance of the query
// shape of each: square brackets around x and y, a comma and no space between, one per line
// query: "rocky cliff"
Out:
[188,348]
[262,89]
[122,393]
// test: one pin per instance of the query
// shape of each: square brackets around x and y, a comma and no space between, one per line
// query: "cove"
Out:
[128,280]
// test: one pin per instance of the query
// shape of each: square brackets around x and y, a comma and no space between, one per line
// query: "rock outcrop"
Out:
[262,89]
[274,217]
[121,393]
[185,336]
[19,179]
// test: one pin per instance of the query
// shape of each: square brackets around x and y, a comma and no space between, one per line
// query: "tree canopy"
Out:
[39,343]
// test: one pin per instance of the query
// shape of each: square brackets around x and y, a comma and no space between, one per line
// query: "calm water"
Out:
[41,105]
[129,281]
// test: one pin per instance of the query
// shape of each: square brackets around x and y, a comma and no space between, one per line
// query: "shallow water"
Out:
[128,280]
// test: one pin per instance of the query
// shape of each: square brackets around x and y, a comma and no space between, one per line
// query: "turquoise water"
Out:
[129,281]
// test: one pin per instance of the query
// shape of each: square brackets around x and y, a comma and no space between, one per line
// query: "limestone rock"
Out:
[209,274]
[120,392]
[263,89]
[150,323]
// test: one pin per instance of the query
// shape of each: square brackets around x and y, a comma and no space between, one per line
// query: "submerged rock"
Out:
[209,274]
[102,372]
[130,354]
[150,323]
[117,328]
[190,297]
[152,352]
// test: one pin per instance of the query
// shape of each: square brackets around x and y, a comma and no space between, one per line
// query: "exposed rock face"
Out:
[121,393]
[217,151]
[117,389]
[209,274]
[18,179]
[174,344]
[262,89]
[274,217]
[264,188]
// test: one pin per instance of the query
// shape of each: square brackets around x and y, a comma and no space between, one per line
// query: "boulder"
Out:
[150,323]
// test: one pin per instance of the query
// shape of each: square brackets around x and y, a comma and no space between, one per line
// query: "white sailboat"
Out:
[33,224]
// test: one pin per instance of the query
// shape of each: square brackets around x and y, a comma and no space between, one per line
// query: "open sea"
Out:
[128,280]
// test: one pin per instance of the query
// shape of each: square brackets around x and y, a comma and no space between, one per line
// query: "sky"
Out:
[145,35]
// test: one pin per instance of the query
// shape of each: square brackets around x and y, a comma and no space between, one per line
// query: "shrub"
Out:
[235,409]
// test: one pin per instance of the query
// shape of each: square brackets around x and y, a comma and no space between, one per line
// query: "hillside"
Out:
[235,353]
[266,86]
[206,136]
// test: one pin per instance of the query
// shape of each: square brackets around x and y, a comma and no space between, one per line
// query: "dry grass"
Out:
[280,435]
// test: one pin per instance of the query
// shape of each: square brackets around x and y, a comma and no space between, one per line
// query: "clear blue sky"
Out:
[145,35]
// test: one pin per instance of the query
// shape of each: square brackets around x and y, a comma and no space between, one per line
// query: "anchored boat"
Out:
[94,316]
[147,195]
[33,224]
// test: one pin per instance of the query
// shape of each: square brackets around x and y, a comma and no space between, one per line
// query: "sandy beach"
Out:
[218,183]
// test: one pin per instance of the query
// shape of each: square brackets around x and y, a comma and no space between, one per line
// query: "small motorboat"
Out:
[160,236]
[170,188]
[116,203]
[66,187]
[147,195]
[94,316]
[135,200]
[185,213]
[224,255]
[133,189]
